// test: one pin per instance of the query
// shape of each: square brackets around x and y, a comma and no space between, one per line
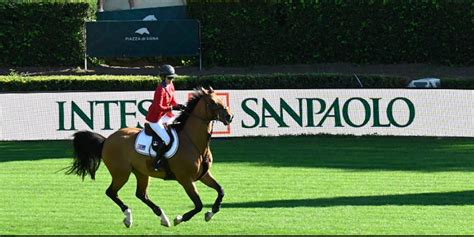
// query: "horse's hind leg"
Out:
[118,181]
[142,194]
[210,181]
[192,192]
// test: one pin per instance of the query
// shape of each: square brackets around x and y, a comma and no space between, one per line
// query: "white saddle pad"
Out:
[143,145]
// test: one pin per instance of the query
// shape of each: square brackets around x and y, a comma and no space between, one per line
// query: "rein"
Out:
[208,139]
[205,157]
[205,121]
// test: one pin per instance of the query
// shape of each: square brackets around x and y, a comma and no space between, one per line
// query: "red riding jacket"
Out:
[163,100]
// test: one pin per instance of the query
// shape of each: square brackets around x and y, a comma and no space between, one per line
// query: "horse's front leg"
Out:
[192,192]
[210,181]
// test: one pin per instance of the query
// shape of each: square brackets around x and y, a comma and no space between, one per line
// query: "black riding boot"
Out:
[160,151]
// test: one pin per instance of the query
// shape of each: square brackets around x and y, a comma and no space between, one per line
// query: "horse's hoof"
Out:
[164,220]
[127,223]
[208,215]
[178,220]
[128,220]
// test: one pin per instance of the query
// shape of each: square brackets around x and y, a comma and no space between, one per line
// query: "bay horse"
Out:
[191,162]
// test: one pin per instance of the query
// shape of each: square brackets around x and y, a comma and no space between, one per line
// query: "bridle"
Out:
[214,110]
[205,121]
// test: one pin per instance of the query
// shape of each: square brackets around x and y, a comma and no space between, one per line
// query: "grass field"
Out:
[286,185]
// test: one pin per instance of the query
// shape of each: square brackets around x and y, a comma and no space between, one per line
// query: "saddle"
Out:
[157,139]
[147,137]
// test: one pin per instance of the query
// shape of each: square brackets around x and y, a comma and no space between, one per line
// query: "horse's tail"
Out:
[87,153]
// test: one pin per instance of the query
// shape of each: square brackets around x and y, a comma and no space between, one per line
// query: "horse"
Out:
[191,162]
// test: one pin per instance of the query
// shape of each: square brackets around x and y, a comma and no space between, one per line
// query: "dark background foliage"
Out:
[325,31]
[42,34]
[262,32]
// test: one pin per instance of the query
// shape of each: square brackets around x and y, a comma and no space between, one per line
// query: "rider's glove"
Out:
[179,107]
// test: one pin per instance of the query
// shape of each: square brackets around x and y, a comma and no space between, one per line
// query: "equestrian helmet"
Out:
[167,71]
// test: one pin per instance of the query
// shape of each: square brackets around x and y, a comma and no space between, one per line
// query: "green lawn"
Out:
[286,185]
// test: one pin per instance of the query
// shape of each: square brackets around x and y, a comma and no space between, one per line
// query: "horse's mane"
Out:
[180,121]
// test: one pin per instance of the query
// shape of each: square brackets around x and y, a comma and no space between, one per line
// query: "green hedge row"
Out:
[263,32]
[266,32]
[42,34]
[276,81]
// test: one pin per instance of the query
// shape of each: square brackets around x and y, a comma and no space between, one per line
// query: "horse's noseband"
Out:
[217,110]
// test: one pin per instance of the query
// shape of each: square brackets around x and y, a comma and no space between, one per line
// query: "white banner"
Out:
[400,112]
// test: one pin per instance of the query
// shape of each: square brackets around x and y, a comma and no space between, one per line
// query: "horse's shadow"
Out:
[458,198]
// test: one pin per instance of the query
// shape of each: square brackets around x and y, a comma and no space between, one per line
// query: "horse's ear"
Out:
[203,90]
[211,90]
[198,89]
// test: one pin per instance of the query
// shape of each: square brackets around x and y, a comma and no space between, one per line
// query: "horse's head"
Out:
[216,108]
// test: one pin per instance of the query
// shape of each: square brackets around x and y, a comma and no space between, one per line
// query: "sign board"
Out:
[143,38]
[149,14]
[444,113]
[115,5]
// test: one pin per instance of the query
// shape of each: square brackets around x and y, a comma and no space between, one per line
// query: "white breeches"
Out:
[159,128]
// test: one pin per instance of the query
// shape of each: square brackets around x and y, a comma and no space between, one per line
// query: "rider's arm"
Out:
[173,96]
[159,100]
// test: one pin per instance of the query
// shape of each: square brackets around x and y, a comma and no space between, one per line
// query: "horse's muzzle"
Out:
[228,119]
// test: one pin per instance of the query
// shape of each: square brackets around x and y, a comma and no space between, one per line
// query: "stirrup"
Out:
[157,164]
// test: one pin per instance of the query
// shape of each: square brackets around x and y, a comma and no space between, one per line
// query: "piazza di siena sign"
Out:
[399,112]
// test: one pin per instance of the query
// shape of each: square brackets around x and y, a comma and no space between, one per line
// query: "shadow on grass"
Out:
[418,199]
[340,152]
[34,150]
[349,152]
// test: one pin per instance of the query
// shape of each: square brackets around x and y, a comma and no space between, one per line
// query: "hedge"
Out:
[260,32]
[17,83]
[42,34]
[266,32]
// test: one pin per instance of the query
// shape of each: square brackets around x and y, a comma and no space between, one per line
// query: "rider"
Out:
[160,111]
